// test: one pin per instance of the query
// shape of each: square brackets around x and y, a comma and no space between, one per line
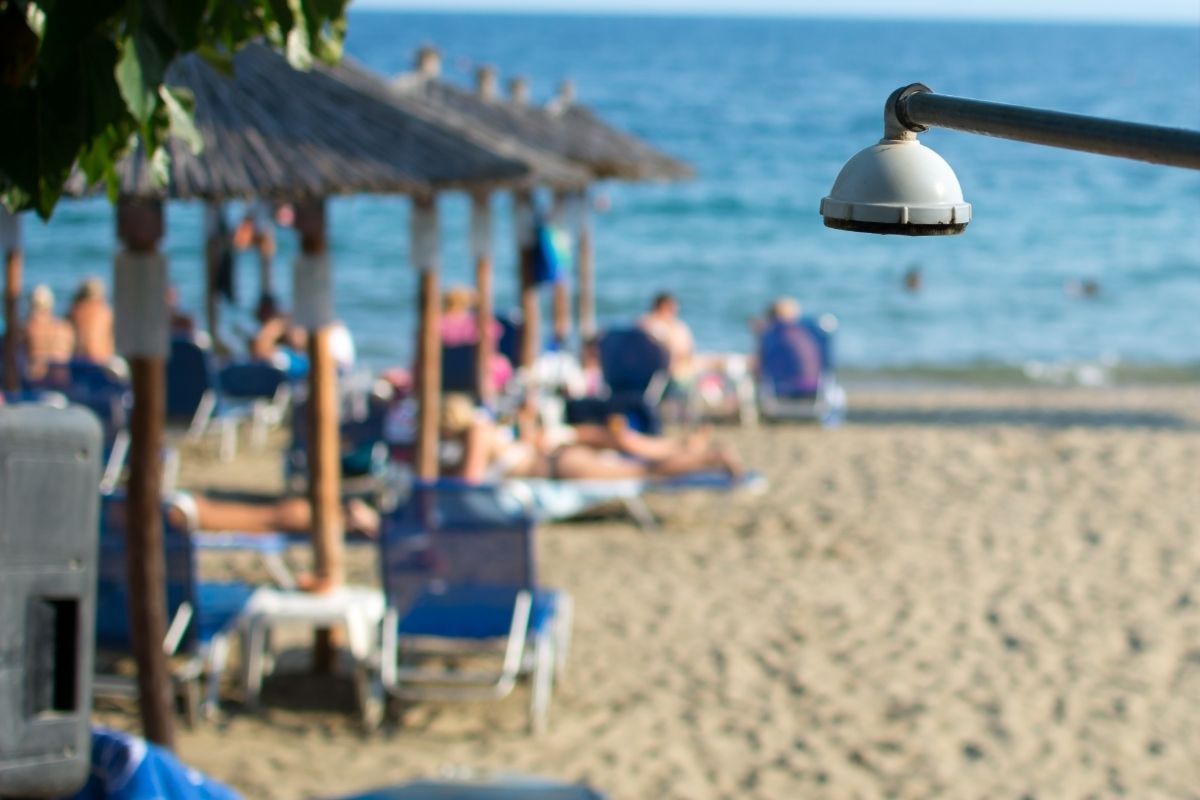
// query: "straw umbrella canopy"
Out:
[562,130]
[470,116]
[268,131]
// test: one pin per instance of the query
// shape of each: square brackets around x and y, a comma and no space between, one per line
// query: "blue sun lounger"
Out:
[556,500]
[97,388]
[202,615]
[797,379]
[459,580]
[635,378]
[501,787]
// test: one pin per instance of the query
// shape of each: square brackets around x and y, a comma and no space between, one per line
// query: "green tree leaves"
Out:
[82,80]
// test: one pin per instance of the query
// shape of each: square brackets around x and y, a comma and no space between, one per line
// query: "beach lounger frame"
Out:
[805,346]
[253,390]
[554,500]
[204,616]
[99,389]
[366,455]
[355,609]
[459,577]
[634,367]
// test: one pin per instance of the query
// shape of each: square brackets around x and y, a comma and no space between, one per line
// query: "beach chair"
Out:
[635,367]
[99,389]
[459,581]
[489,787]
[511,327]
[365,455]
[256,390]
[191,385]
[203,615]
[549,500]
[796,375]
[458,370]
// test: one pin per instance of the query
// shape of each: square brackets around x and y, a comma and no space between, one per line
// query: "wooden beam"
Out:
[424,242]
[265,245]
[481,251]
[312,309]
[142,331]
[584,268]
[530,310]
[324,460]
[216,238]
[10,251]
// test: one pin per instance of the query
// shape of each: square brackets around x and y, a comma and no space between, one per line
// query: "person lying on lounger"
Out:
[195,512]
[283,515]
[477,450]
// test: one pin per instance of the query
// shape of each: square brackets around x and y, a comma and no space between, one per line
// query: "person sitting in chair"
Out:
[46,339]
[459,326]
[663,323]
[92,318]
[781,330]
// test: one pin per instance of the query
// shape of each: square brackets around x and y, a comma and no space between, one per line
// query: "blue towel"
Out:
[125,767]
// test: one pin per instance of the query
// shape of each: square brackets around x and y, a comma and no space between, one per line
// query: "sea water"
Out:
[767,111]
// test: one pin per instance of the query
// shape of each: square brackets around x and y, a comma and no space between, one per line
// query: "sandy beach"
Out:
[960,593]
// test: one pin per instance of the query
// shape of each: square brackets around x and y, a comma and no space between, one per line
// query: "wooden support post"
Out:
[518,90]
[481,251]
[312,308]
[486,83]
[428,62]
[530,310]
[216,239]
[10,251]
[562,286]
[265,245]
[142,331]
[584,268]
[423,238]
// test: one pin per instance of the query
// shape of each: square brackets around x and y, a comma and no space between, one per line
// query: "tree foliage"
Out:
[82,80]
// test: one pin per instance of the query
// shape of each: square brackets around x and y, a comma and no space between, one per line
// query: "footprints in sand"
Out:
[1005,609]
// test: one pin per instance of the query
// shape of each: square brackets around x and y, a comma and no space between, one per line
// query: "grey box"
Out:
[49,506]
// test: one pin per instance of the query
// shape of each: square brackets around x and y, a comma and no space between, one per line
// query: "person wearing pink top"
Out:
[459,327]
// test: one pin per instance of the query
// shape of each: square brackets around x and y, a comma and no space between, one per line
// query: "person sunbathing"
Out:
[476,450]
[197,513]
[283,515]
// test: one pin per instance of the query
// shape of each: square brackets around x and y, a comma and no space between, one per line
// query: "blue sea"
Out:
[767,111]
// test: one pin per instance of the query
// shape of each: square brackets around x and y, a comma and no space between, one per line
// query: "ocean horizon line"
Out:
[783,16]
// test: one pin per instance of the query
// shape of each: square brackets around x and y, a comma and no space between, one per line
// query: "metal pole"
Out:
[916,108]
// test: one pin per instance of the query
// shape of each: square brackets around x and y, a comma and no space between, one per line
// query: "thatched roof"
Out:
[547,168]
[273,131]
[569,131]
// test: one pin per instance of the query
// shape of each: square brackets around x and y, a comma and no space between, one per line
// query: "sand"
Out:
[958,594]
